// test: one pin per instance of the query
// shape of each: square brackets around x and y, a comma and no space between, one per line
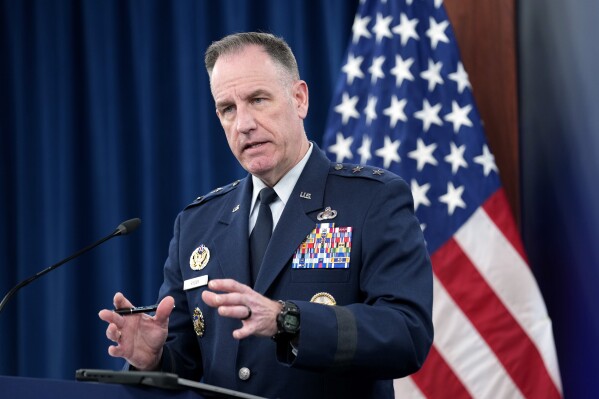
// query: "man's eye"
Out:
[227,109]
[258,100]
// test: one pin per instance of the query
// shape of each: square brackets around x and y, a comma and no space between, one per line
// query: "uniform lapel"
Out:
[231,241]
[295,224]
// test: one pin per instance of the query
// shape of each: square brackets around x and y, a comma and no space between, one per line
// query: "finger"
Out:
[165,307]
[211,299]
[120,301]
[116,351]
[215,300]
[242,333]
[228,285]
[238,312]
[111,317]
[113,333]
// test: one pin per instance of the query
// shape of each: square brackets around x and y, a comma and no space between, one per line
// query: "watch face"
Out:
[291,323]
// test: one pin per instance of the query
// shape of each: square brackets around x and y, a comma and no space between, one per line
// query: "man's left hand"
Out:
[257,313]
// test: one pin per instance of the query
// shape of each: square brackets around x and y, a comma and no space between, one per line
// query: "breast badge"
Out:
[199,325]
[323,298]
[327,214]
[199,258]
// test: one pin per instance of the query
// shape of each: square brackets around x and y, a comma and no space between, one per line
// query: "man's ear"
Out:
[300,95]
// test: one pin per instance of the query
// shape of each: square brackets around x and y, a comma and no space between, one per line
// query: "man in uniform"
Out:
[336,303]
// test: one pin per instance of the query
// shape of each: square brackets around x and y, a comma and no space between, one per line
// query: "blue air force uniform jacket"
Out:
[380,327]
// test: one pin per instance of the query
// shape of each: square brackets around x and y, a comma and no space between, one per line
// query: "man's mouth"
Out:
[251,146]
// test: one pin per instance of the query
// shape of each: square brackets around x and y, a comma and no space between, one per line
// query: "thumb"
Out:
[165,307]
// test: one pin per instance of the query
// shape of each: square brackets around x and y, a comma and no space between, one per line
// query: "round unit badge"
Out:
[199,258]
[323,298]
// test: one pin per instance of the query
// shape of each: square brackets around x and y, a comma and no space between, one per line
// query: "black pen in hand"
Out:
[137,309]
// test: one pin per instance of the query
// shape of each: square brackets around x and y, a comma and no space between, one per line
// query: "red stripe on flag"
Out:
[498,209]
[436,379]
[504,335]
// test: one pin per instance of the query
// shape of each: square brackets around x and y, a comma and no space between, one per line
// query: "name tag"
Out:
[195,282]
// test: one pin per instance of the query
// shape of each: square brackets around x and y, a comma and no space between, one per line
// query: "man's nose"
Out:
[245,120]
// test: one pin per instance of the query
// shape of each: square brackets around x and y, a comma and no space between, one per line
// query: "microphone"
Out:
[122,229]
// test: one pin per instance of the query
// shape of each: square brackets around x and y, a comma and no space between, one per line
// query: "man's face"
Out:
[261,110]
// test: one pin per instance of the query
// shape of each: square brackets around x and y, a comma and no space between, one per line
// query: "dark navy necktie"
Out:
[262,230]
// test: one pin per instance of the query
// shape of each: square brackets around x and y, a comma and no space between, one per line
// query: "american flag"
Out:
[404,102]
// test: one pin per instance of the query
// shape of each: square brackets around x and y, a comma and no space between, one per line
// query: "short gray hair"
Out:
[276,47]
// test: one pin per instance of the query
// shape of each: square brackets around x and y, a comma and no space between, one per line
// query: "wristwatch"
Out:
[288,321]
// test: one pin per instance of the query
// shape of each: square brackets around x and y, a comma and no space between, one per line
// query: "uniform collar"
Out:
[285,186]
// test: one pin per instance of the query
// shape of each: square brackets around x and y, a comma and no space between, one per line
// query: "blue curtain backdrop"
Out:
[105,115]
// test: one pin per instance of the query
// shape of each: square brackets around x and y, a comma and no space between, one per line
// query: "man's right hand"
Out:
[139,337]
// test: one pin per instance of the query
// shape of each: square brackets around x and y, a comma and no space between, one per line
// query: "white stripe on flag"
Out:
[462,347]
[406,389]
[511,278]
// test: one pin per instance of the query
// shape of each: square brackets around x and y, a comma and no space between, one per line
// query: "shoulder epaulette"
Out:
[213,194]
[364,171]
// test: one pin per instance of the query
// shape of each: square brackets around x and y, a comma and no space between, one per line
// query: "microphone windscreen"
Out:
[128,226]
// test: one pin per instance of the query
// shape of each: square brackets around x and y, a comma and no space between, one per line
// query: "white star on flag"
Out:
[352,68]
[406,29]
[436,32]
[364,150]
[429,114]
[460,77]
[389,152]
[459,116]
[419,193]
[370,110]
[423,154]
[401,70]
[347,108]
[432,74]
[487,160]
[456,157]
[376,69]
[395,111]
[381,27]
[360,28]
[342,147]
[453,198]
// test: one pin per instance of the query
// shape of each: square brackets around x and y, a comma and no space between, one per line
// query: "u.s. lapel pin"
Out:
[305,195]
[327,214]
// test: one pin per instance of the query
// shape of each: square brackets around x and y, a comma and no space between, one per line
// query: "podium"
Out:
[122,385]
[30,388]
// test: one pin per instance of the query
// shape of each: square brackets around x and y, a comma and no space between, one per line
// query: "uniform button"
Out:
[244,373]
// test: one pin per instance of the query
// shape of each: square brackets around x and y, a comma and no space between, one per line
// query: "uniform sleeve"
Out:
[388,335]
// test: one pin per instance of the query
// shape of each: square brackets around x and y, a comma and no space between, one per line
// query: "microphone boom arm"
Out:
[122,229]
